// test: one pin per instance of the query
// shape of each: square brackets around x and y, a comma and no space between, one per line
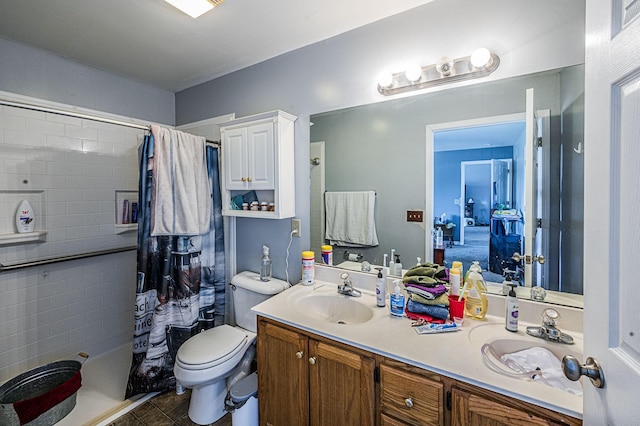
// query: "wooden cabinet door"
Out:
[474,410]
[342,388]
[283,376]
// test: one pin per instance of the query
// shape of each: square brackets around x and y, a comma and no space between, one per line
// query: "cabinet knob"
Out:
[312,360]
[248,179]
[299,354]
[408,402]
[244,179]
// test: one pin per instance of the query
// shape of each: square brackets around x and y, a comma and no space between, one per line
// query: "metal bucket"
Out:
[39,386]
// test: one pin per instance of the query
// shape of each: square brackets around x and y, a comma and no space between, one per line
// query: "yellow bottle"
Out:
[476,303]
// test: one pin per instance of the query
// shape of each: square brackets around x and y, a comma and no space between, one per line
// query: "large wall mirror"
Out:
[460,157]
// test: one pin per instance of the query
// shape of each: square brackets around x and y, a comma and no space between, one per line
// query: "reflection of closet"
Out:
[257,155]
[503,243]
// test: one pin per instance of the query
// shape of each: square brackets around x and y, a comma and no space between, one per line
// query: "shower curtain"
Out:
[180,285]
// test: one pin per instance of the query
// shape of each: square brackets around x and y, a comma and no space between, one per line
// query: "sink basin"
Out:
[332,308]
[505,342]
[493,341]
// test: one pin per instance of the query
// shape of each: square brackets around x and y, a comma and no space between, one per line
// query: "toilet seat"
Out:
[211,347]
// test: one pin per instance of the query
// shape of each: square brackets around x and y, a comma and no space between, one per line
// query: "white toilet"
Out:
[210,361]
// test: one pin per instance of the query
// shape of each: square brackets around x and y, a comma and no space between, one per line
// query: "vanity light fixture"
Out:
[194,8]
[480,63]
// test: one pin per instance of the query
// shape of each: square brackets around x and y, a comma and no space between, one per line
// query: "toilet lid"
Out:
[211,347]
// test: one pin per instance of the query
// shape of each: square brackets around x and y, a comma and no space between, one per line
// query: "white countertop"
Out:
[455,354]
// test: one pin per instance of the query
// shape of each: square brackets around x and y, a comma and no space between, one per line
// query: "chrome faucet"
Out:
[549,330]
[346,287]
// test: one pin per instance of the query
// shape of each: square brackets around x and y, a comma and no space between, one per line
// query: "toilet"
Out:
[212,361]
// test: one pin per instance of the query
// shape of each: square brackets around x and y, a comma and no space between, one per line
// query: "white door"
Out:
[500,183]
[611,206]
[531,275]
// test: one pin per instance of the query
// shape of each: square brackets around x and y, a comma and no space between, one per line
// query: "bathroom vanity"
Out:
[372,369]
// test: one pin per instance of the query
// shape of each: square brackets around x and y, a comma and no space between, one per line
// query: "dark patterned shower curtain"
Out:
[180,287]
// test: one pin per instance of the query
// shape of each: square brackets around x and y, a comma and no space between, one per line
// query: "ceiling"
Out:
[151,41]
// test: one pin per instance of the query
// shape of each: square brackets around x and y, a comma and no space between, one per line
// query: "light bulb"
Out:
[385,80]
[480,58]
[413,73]
[445,66]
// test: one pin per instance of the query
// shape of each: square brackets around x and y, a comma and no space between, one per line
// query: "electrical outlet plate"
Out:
[414,216]
[296,227]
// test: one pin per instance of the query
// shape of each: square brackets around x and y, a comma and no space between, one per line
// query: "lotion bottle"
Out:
[454,281]
[381,288]
[396,300]
[511,316]
[25,219]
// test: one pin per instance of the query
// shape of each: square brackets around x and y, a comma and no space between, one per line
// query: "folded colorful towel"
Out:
[442,300]
[421,279]
[415,316]
[427,269]
[436,290]
[432,310]
[420,292]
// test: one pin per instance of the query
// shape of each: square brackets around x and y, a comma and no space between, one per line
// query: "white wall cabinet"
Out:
[258,155]
[249,154]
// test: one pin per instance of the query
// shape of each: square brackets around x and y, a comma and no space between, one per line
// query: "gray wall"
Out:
[572,215]
[341,72]
[32,72]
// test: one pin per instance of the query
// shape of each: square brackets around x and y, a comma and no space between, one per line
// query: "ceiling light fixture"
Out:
[194,8]
[480,63]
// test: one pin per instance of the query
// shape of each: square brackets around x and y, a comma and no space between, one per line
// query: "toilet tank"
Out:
[248,291]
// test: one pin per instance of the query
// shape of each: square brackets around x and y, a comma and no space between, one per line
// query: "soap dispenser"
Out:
[265,265]
[396,300]
[398,266]
[511,316]
[475,293]
[508,280]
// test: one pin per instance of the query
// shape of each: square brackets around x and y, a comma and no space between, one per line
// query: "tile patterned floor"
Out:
[166,409]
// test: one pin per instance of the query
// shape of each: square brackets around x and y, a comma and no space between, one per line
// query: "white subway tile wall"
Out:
[69,169]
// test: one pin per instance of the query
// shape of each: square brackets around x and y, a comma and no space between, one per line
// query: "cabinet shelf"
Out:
[29,237]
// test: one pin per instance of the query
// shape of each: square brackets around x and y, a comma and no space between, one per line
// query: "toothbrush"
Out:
[464,288]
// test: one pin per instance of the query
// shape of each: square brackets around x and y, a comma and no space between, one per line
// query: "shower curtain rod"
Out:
[73,114]
[85,116]
[58,259]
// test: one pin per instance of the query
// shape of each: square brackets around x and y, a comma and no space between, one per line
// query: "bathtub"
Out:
[100,400]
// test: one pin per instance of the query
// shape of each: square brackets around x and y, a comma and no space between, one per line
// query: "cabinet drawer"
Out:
[410,397]
[390,421]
